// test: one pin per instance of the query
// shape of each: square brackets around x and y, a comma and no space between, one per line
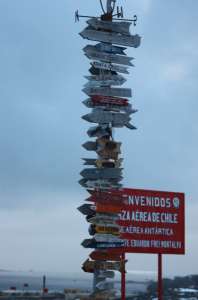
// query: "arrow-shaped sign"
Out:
[104,209]
[109,67]
[110,100]
[103,294]
[121,27]
[101,174]
[121,92]
[111,38]
[106,274]
[89,271]
[85,209]
[111,145]
[101,130]
[107,230]
[90,146]
[97,265]
[104,221]
[98,115]
[103,185]
[108,164]
[89,161]
[105,245]
[110,48]
[86,241]
[108,153]
[105,285]
[99,255]
[105,80]
[109,58]
[106,238]
[91,104]
[107,198]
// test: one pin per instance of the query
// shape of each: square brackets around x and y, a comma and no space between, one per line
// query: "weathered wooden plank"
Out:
[106,153]
[106,237]
[97,131]
[86,210]
[120,27]
[107,91]
[101,174]
[89,161]
[105,80]
[110,48]
[109,58]
[105,285]
[109,67]
[97,265]
[104,209]
[108,164]
[112,38]
[111,145]
[104,221]
[103,294]
[105,245]
[98,255]
[88,271]
[107,230]
[90,146]
[104,185]
[106,274]
[91,104]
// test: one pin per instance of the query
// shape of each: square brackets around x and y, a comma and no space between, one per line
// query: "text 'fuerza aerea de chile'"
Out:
[148,216]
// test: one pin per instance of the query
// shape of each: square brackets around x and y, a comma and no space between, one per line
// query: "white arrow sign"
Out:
[106,274]
[104,185]
[119,92]
[106,237]
[105,285]
[109,67]
[93,35]
[105,80]
[121,27]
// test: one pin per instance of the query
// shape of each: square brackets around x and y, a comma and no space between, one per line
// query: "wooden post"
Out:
[123,280]
[159,276]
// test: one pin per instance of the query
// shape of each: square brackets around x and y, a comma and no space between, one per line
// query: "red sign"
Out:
[152,222]
[110,100]
[45,290]
[25,284]
[13,288]
[106,198]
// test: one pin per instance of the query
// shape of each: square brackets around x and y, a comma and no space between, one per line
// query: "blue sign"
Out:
[103,173]
[105,245]
[110,48]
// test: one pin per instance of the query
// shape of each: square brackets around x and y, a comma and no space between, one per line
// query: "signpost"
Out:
[107,229]
[106,274]
[110,48]
[116,266]
[110,100]
[104,208]
[116,107]
[106,238]
[107,164]
[108,154]
[109,198]
[99,255]
[108,57]
[96,131]
[120,92]
[109,67]
[114,38]
[104,185]
[121,27]
[105,285]
[104,221]
[101,174]
[105,80]
[112,145]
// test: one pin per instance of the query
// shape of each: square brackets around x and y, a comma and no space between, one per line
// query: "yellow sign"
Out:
[107,229]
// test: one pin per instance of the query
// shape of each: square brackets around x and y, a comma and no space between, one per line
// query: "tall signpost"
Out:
[121,220]
[110,109]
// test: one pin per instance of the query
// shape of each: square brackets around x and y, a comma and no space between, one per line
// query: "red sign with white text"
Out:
[152,222]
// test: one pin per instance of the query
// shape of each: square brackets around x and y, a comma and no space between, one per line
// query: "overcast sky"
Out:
[41,73]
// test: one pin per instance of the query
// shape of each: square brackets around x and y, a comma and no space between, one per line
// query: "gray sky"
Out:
[41,73]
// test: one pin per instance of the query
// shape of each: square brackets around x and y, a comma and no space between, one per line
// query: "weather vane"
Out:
[108,16]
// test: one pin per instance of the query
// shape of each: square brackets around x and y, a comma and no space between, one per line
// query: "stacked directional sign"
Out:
[110,108]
